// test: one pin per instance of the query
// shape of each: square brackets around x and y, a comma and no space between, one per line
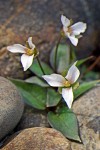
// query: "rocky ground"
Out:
[33,130]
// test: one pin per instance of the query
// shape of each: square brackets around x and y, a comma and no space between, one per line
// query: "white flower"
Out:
[28,52]
[72,31]
[56,80]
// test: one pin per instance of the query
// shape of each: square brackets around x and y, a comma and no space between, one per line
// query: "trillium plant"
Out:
[57,80]
[55,87]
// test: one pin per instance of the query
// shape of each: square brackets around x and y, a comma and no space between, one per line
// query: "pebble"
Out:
[11,106]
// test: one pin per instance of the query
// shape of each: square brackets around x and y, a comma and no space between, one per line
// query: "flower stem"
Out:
[56,51]
[40,65]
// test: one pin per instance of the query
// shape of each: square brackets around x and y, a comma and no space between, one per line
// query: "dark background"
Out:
[40,19]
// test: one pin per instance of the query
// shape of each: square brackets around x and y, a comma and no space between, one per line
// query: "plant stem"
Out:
[56,51]
[40,65]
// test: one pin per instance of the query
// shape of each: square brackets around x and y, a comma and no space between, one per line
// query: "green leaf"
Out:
[62,57]
[35,68]
[53,98]
[81,61]
[37,96]
[34,95]
[65,121]
[84,87]
[36,80]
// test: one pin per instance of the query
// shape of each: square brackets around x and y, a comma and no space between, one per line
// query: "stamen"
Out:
[67,84]
[29,52]
[69,30]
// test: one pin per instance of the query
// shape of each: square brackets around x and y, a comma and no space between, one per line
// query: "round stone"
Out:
[87,109]
[38,138]
[88,104]
[11,106]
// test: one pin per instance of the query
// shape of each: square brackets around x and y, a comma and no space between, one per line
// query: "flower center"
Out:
[69,30]
[67,84]
[29,52]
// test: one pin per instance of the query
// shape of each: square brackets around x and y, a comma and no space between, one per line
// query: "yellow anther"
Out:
[29,52]
[67,84]
[69,30]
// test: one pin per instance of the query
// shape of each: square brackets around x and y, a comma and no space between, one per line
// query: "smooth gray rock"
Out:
[87,109]
[11,107]
[89,103]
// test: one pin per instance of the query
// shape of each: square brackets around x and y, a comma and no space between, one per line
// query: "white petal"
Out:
[55,80]
[65,29]
[67,94]
[73,74]
[78,28]
[26,61]
[16,48]
[73,40]
[65,21]
[31,43]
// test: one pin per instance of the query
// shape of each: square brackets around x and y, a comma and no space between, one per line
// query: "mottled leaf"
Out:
[35,68]
[63,56]
[65,121]
[53,98]
[36,80]
[84,87]
[34,95]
